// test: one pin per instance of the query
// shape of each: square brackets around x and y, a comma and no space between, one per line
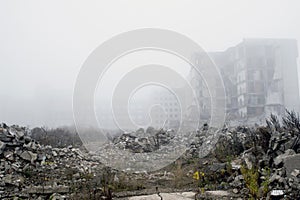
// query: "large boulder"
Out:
[291,163]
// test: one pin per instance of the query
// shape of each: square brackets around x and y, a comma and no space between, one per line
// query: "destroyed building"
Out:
[170,108]
[260,77]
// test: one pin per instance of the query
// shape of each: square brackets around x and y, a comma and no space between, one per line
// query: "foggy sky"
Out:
[43,44]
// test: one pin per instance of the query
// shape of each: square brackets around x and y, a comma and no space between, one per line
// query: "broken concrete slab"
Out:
[279,159]
[166,196]
[291,163]
[29,156]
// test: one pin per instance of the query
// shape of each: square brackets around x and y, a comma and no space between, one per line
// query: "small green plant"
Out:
[266,182]
[202,190]
[251,179]
[200,178]
[229,165]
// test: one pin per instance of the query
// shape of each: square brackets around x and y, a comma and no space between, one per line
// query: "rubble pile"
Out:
[140,142]
[257,162]
[30,170]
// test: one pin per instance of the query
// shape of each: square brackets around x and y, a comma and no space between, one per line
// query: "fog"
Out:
[44,44]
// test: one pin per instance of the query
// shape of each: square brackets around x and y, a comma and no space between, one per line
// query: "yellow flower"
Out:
[196,175]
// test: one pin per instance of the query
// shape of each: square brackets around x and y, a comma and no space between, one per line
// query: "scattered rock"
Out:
[29,156]
[25,166]
[166,196]
[139,143]
[279,159]
[2,147]
[28,168]
[235,191]
[291,163]
[295,172]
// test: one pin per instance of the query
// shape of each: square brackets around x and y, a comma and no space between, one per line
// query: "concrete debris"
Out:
[273,156]
[268,157]
[142,143]
[2,147]
[292,163]
[166,196]
[217,194]
[56,196]
[29,170]
[29,156]
[295,172]
[279,159]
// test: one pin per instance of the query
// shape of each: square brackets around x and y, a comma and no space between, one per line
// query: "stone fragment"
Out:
[291,163]
[15,180]
[295,172]
[54,153]
[29,156]
[56,196]
[2,147]
[235,191]
[279,159]
[9,155]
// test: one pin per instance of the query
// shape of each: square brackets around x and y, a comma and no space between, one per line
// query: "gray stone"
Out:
[166,196]
[291,163]
[295,172]
[15,180]
[237,181]
[249,159]
[281,180]
[31,145]
[5,138]
[2,147]
[54,153]
[245,191]
[218,193]
[236,164]
[56,196]
[215,167]
[279,159]
[235,191]
[9,155]
[7,179]
[19,134]
[76,176]
[27,139]
[274,177]
[29,156]
[289,143]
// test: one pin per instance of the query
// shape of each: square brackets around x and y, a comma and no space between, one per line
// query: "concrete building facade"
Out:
[260,77]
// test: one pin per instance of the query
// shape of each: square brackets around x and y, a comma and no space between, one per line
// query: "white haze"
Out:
[44,43]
